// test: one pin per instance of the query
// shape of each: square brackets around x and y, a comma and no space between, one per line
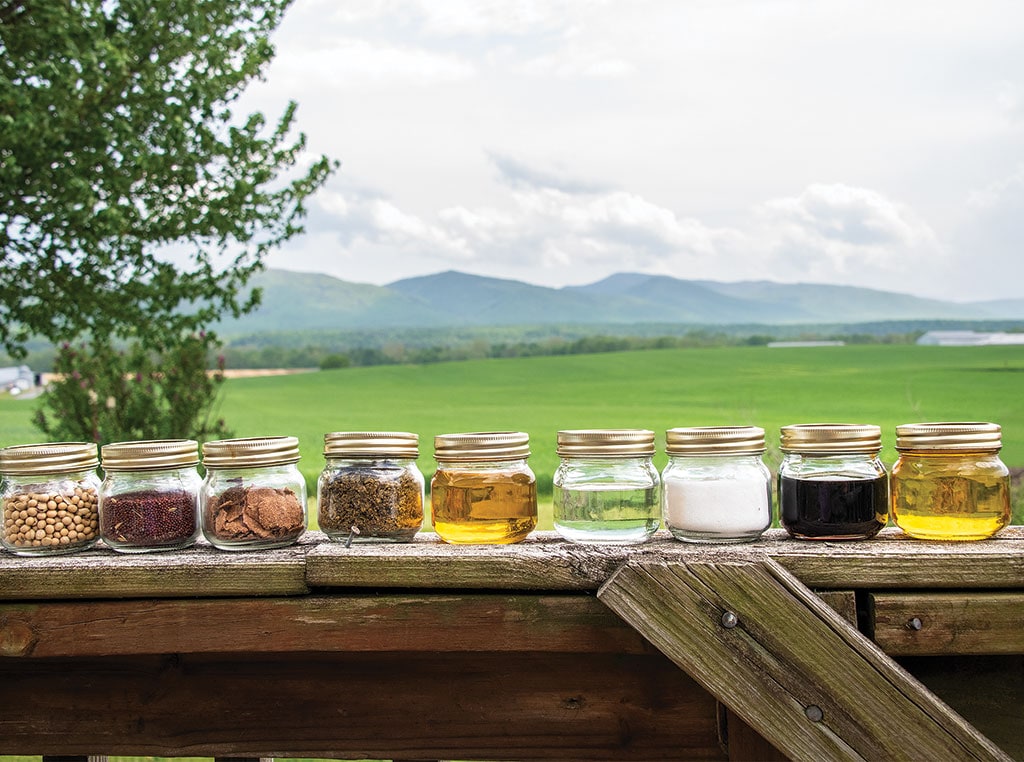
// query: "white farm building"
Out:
[970,338]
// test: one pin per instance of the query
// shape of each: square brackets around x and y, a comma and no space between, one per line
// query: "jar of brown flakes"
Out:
[371,489]
[50,494]
[253,495]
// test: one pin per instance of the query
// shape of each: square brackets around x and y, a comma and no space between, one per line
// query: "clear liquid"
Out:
[481,507]
[606,514]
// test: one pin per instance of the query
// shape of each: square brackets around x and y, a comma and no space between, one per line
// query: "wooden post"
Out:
[795,670]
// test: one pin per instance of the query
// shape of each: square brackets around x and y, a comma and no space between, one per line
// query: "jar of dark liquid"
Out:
[832,486]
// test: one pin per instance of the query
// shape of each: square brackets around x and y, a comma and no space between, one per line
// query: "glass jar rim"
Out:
[48,458]
[715,440]
[831,438]
[251,452]
[482,446]
[605,443]
[149,455]
[950,436]
[402,444]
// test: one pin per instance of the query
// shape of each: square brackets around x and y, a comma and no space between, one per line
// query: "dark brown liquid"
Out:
[834,509]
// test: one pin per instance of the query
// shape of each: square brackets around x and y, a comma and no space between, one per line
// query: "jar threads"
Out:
[948,482]
[149,498]
[832,486]
[253,495]
[606,488]
[370,489]
[717,488]
[483,491]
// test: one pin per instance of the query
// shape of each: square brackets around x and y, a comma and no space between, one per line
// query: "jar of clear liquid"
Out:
[606,488]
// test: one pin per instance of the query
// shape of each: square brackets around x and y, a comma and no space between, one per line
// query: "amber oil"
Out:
[483,491]
[949,483]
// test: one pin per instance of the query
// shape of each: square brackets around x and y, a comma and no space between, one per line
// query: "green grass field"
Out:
[769,387]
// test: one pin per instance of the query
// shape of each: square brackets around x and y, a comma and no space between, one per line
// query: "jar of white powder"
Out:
[716,486]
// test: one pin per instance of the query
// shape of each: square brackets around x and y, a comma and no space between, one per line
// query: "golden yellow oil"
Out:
[952,498]
[484,507]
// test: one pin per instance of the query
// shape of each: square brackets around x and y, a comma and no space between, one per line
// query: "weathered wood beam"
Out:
[336,624]
[935,624]
[789,665]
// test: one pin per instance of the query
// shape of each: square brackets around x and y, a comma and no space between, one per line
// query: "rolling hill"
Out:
[304,301]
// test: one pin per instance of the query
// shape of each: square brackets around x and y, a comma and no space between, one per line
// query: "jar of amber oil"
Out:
[948,482]
[483,490]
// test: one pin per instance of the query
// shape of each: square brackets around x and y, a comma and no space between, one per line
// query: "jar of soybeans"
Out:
[483,490]
[832,485]
[253,495]
[606,488]
[371,489]
[948,482]
[149,499]
[50,495]
[717,488]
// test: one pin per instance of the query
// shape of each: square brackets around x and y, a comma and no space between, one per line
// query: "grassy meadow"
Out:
[658,389]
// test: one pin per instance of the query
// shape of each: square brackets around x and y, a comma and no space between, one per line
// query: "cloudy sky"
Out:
[869,142]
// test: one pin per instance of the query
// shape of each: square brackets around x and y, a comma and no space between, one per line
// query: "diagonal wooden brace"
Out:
[798,673]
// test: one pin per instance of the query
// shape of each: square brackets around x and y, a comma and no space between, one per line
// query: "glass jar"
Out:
[606,486]
[253,495]
[832,486]
[370,489]
[948,482]
[149,498]
[716,488]
[50,495]
[483,490]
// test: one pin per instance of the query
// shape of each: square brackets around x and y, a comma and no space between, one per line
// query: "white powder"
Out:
[727,507]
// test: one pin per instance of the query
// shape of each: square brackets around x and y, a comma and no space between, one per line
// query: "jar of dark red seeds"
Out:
[149,499]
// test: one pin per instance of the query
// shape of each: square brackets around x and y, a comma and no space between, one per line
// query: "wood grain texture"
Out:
[791,667]
[198,571]
[933,624]
[337,624]
[544,562]
[360,706]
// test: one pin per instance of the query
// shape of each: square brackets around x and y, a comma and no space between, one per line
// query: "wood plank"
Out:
[927,624]
[341,623]
[843,602]
[199,571]
[360,706]
[789,665]
[546,562]
[543,562]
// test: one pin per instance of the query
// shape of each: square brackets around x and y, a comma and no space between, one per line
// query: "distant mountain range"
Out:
[303,301]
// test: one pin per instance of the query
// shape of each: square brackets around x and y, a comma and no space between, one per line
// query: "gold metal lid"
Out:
[608,443]
[482,446]
[831,438]
[962,436]
[396,444]
[150,455]
[715,440]
[251,453]
[52,458]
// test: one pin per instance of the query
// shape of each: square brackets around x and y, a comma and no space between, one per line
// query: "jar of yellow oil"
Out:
[483,490]
[949,482]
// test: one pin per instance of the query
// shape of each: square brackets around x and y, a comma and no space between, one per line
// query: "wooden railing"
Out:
[883,649]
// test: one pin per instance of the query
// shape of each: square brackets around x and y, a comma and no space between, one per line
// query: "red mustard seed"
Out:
[149,518]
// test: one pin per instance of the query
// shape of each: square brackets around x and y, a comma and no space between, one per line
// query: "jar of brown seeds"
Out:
[50,495]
